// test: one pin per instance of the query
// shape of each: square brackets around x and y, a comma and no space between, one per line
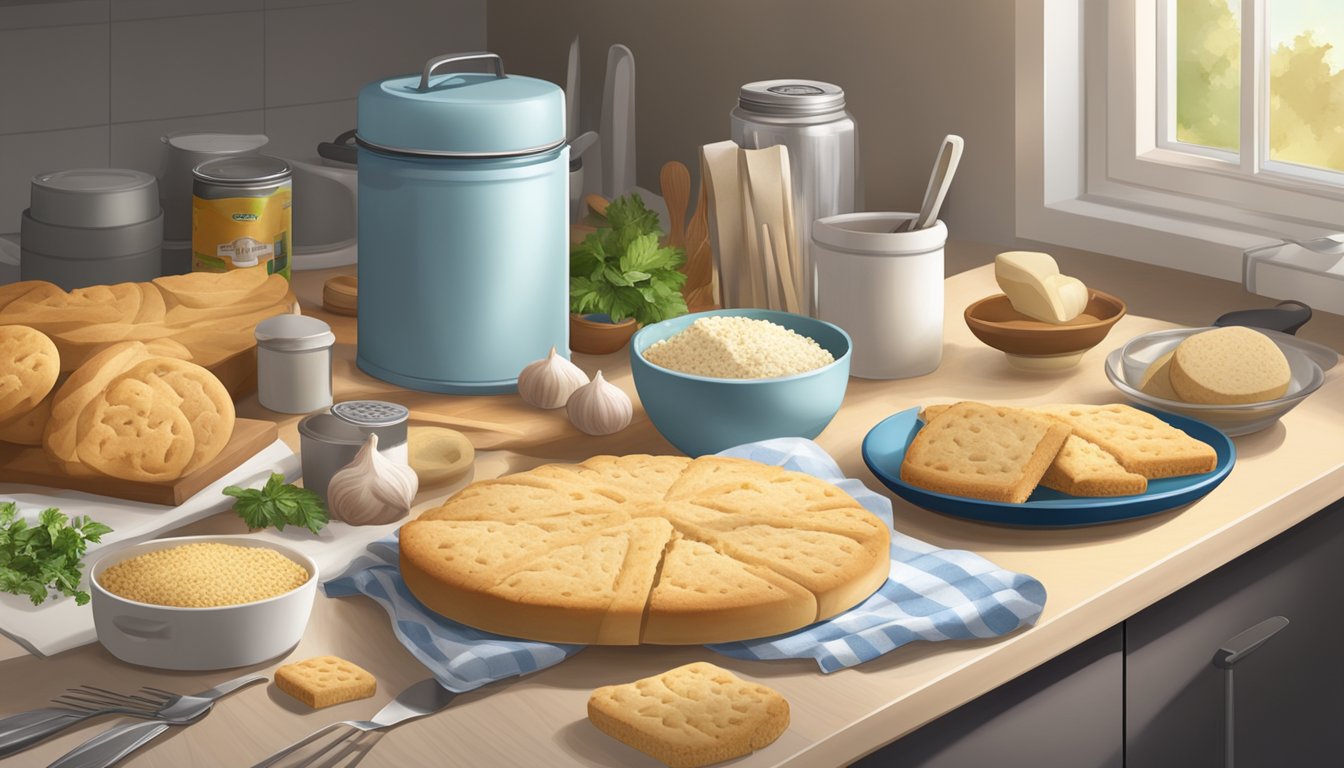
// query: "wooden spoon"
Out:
[676,183]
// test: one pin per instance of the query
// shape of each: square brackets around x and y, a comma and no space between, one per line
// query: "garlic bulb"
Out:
[372,489]
[599,408]
[549,382]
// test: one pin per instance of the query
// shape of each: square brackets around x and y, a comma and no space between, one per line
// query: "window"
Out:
[1180,132]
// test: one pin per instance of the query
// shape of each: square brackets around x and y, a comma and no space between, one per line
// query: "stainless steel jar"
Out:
[329,441]
[809,118]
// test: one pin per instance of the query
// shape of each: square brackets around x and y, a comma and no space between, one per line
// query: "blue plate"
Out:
[884,449]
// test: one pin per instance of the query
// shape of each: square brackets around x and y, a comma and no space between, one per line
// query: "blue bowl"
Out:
[702,415]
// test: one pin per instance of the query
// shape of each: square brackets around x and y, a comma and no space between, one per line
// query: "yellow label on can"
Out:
[230,233]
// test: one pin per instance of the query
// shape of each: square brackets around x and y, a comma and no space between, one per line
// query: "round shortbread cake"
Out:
[622,550]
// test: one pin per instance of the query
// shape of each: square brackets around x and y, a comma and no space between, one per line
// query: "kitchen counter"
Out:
[1095,577]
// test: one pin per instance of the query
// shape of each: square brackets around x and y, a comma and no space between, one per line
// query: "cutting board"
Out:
[33,465]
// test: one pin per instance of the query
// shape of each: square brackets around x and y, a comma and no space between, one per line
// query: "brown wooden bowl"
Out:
[1037,345]
[595,337]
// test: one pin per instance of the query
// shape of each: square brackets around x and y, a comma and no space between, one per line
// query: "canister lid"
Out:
[370,413]
[462,114]
[294,333]
[94,197]
[243,170]
[791,97]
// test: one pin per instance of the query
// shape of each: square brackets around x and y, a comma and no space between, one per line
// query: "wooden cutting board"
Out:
[32,465]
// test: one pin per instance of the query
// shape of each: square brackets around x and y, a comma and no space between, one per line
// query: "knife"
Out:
[618,123]
[572,93]
[110,746]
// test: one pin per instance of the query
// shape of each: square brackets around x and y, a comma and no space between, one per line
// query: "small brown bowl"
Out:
[1039,346]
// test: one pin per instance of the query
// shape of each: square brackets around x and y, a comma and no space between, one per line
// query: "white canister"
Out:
[294,363]
[884,288]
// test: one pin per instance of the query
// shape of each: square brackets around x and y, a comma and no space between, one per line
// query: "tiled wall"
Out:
[97,82]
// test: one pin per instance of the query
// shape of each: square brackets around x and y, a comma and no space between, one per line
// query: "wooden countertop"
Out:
[1096,577]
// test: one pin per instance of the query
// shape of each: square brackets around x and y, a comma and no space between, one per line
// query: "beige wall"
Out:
[912,70]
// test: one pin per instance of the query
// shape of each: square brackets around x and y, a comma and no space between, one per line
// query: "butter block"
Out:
[1034,286]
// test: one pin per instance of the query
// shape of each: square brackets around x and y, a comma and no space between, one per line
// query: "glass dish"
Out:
[1308,361]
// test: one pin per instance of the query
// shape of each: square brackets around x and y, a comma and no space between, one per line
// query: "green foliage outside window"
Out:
[1306,97]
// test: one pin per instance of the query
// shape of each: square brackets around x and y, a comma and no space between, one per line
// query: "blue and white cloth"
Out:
[933,594]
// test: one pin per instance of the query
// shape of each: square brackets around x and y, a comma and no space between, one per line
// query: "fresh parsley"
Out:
[279,504]
[622,270]
[47,556]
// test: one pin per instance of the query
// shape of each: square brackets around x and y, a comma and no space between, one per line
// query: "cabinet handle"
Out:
[1244,644]
[1227,657]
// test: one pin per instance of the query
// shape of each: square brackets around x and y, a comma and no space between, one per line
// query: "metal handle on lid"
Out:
[449,58]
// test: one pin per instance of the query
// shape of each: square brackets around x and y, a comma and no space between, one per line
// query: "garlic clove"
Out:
[549,382]
[599,407]
[372,489]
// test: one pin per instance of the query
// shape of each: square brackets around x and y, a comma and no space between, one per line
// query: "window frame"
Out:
[1071,77]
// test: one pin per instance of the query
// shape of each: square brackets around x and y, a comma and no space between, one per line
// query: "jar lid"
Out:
[791,97]
[94,197]
[370,413]
[294,333]
[243,170]
[462,114]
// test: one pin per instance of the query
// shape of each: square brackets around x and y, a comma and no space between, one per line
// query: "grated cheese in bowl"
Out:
[731,347]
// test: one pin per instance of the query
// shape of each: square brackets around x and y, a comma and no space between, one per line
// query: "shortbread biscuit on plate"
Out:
[29,366]
[983,452]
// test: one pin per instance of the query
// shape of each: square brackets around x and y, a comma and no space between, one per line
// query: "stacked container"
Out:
[92,226]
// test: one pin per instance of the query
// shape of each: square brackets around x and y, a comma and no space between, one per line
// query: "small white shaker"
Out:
[294,363]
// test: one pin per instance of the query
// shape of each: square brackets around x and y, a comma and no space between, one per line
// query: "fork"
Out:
[18,732]
[423,698]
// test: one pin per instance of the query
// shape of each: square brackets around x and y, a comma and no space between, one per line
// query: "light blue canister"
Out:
[463,232]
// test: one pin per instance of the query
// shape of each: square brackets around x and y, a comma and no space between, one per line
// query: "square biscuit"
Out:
[325,680]
[694,715]
[984,452]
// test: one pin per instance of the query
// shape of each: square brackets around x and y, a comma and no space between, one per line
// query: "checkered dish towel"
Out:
[933,594]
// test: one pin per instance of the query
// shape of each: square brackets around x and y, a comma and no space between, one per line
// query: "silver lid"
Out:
[94,197]
[370,413]
[243,170]
[294,333]
[791,97]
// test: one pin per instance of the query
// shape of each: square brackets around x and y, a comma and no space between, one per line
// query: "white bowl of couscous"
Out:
[201,602]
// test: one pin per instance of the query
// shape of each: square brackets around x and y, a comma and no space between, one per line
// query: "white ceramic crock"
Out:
[884,288]
[166,637]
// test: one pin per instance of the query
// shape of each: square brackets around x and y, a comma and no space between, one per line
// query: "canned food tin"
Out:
[330,440]
[241,215]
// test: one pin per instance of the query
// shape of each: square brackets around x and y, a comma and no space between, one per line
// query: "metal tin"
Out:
[809,118]
[94,197]
[294,363]
[241,214]
[463,227]
[330,440]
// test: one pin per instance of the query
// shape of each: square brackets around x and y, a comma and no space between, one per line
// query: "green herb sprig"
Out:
[35,559]
[622,271]
[279,504]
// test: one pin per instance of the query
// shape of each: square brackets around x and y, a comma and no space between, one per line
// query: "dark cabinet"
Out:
[1288,693]
[1148,694]
[1065,713]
